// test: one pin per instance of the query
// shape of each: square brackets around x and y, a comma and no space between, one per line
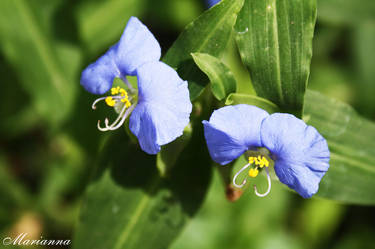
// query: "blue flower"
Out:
[159,108]
[299,154]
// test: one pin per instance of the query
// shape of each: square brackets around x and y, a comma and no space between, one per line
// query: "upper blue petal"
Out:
[136,47]
[211,3]
[163,108]
[302,154]
[97,78]
[232,130]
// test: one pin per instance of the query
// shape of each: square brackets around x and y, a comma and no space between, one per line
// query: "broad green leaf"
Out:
[351,139]
[239,98]
[274,38]
[128,205]
[222,79]
[45,68]
[100,23]
[209,34]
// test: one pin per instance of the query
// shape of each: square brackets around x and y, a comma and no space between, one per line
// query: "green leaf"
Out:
[46,69]
[209,33]
[222,79]
[239,98]
[137,207]
[100,23]
[351,140]
[274,38]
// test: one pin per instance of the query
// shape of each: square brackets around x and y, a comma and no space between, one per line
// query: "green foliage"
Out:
[45,72]
[135,202]
[275,44]
[50,145]
[239,98]
[100,23]
[351,138]
[222,79]
[346,12]
[210,34]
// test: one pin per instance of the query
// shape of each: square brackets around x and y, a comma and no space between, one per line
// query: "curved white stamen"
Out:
[106,121]
[269,185]
[237,174]
[119,116]
[128,111]
[93,106]
[101,128]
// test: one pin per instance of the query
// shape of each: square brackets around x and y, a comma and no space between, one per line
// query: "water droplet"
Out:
[243,32]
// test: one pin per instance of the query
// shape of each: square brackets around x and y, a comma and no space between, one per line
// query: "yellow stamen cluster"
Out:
[118,91]
[260,162]
[110,101]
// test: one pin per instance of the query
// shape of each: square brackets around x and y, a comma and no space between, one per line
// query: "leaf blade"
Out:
[136,202]
[351,176]
[275,43]
[222,79]
[239,98]
[209,33]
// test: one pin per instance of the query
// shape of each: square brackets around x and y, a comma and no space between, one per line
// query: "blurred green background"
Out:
[49,140]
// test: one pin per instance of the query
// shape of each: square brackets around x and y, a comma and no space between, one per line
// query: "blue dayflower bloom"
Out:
[160,108]
[300,155]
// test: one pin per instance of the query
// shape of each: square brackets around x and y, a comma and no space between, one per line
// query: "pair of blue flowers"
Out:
[160,108]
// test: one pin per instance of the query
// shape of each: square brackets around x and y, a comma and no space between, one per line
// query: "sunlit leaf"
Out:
[275,43]
[209,34]
[222,79]
[239,98]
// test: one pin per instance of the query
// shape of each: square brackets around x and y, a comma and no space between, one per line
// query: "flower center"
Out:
[256,164]
[121,102]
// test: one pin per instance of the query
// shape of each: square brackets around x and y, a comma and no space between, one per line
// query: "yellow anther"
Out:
[253,172]
[115,90]
[110,101]
[266,162]
[127,102]
[251,159]
[260,161]
[123,92]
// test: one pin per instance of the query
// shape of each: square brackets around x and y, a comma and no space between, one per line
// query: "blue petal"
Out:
[211,3]
[232,130]
[302,154]
[163,108]
[98,77]
[136,47]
